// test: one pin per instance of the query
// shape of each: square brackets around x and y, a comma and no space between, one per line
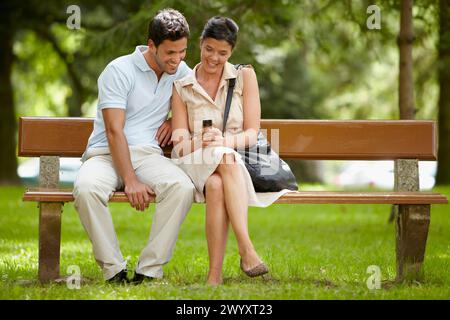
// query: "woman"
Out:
[208,157]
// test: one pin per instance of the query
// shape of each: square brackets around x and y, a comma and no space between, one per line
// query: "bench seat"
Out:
[299,197]
[404,141]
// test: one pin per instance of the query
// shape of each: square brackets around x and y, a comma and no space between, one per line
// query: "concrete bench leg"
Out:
[412,222]
[49,240]
[412,231]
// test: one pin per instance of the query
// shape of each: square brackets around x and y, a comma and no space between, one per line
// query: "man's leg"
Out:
[174,196]
[95,183]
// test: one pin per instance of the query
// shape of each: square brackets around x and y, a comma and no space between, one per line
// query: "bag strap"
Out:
[231,84]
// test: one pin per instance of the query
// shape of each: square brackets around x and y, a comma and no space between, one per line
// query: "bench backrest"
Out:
[295,139]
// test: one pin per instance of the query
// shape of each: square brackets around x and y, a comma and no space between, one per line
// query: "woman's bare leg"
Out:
[236,204]
[216,227]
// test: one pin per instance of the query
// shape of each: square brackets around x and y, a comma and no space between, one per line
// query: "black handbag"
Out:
[268,171]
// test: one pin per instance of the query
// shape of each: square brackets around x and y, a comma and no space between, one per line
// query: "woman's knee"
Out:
[214,186]
[228,164]
[228,158]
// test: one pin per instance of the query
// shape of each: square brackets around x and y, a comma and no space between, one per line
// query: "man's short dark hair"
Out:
[168,24]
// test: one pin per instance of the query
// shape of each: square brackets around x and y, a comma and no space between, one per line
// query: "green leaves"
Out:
[313,58]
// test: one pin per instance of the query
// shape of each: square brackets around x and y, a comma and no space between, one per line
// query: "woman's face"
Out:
[213,54]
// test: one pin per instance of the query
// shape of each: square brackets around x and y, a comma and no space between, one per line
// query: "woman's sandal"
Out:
[257,271]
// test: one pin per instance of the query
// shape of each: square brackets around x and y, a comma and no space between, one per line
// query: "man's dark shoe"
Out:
[140,278]
[120,278]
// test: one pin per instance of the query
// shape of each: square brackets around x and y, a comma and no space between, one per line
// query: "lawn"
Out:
[313,252]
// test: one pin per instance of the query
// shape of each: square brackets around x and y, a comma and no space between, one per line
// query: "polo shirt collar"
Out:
[139,60]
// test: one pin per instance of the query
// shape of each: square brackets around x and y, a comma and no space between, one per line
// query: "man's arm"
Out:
[138,193]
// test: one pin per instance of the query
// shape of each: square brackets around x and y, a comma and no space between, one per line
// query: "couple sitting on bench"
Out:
[136,93]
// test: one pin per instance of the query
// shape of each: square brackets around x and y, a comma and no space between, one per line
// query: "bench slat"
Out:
[305,197]
[299,139]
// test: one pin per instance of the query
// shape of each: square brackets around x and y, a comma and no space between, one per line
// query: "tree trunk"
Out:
[406,82]
[405,41]
[8,126]
[443,172]
[74,102]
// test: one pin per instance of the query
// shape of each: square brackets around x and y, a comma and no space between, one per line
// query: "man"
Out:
[124,151]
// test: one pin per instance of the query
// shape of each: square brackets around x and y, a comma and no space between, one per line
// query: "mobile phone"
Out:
[207,123]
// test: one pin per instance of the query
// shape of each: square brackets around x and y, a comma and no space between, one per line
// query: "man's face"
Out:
[168,54]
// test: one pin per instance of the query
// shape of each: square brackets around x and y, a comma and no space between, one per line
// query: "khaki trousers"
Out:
[95,184]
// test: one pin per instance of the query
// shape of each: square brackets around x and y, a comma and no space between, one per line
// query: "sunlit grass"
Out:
[313,251]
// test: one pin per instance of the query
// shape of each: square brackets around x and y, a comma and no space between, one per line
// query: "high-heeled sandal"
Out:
[257,271]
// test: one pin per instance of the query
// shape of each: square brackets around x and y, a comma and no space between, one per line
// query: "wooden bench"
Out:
[404,141]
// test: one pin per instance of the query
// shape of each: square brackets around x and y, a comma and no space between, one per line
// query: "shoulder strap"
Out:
[231,84]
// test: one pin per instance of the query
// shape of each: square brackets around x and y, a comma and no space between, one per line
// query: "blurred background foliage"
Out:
[314,59]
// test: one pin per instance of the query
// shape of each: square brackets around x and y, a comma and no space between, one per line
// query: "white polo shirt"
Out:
[129,83]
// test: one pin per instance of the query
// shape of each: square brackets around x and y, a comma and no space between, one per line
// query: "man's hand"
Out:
[164,133]
[138,194]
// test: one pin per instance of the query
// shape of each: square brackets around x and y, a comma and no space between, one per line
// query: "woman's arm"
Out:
[181,137]
[252,113]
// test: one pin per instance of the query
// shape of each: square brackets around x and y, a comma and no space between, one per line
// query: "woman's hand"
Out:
[212,137]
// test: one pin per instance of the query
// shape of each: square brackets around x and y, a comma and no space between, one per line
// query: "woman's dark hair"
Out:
[168,24]
[221,28]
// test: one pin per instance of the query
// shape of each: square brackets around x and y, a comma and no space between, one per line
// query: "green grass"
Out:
[313,251]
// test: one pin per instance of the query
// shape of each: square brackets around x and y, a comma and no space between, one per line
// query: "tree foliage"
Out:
[314,59]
